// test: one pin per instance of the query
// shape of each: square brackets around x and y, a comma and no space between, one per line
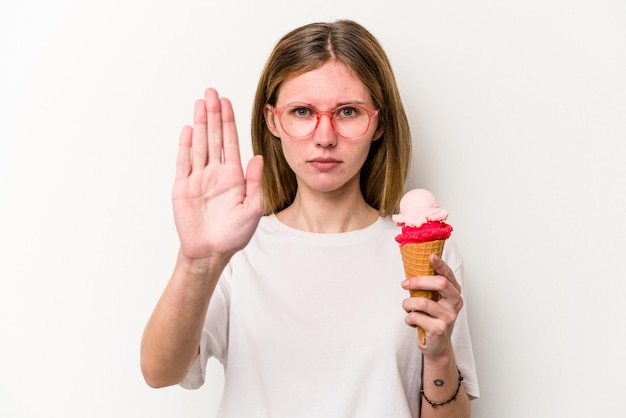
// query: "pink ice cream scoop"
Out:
[417,207]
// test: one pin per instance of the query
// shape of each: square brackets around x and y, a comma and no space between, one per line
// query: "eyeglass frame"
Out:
[278,111]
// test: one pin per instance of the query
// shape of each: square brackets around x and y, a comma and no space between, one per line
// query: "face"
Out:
[324,161]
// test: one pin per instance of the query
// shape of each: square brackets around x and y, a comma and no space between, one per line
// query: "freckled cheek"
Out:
[292,155]
[362,151]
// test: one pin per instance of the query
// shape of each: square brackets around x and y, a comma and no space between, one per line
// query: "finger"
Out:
[415,304]
[432,283]
[434,327]
[229,129]
[429,307]
[183,159]
[199,138]
[418,319]
[214,125]
[428,314]
[444,270]
[445,291]
[254,176]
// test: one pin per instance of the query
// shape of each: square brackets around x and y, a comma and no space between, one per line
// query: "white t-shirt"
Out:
[312,325]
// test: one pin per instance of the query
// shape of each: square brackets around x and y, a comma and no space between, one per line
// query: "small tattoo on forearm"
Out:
[438,382]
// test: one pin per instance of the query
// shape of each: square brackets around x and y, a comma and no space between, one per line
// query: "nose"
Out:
[325,135]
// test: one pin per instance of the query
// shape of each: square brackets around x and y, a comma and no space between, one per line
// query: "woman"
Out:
[304,305]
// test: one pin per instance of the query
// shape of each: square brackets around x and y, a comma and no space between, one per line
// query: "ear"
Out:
[379,132]
[270,120]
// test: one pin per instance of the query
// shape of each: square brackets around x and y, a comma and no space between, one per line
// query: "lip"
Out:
[324,164]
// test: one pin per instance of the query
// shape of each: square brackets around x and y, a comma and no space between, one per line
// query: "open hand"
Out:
[216,208]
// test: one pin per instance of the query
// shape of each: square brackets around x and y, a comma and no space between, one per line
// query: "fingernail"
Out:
[405,283]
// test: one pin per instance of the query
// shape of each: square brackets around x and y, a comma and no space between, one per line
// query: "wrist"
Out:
[204,266]
[444,359]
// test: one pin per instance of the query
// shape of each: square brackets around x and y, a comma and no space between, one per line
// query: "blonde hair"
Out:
[304,49]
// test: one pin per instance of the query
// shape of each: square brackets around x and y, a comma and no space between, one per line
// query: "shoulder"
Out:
[387,227]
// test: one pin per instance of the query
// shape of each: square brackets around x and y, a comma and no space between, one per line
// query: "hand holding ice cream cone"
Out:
[423,233]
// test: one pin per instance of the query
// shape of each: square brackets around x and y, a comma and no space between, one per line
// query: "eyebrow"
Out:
[354,102]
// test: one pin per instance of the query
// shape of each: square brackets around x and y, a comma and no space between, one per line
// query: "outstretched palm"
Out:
[216,208]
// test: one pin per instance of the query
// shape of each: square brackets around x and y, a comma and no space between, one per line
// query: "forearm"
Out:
[440,384]
[171,339]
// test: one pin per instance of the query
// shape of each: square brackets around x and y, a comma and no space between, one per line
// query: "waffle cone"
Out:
[415,260]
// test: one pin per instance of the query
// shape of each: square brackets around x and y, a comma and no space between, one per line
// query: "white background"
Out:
[518,112]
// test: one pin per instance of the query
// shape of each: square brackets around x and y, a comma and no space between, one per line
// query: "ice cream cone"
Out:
[415,260]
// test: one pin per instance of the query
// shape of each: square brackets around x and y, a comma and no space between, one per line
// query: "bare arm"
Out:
[216,210]
[440,385]
[437,317]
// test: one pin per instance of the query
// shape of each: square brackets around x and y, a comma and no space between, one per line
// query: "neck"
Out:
[323,213]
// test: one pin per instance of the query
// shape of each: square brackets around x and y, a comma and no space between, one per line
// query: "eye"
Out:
[301,112]
[347,112]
